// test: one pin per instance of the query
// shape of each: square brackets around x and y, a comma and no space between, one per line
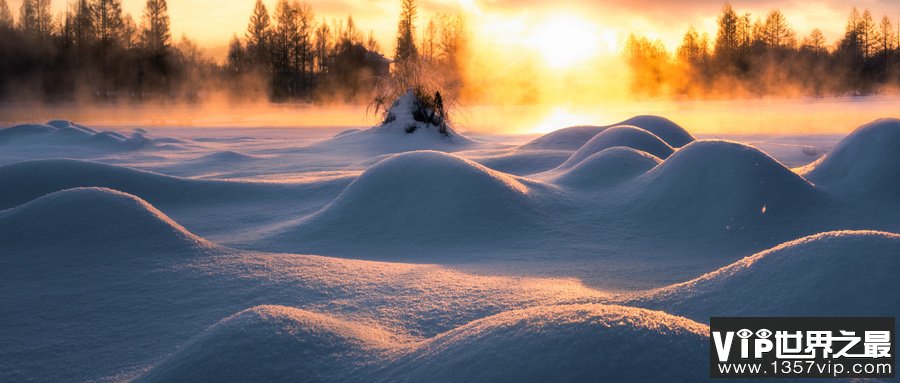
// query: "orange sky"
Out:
[515,22]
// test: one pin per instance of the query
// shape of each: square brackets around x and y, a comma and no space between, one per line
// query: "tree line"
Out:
[93,50]
[97,52]
[764,56]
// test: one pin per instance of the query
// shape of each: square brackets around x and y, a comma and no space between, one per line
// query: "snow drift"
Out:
[727,184]
[623,135]
[577,343]
[607,168]
[225,157]
[420,197]
[59,132]
[846,273]
[91,217]
[575,137]
[865,162]
[588,343]
[274,344]
[23,181]
[408,126]
[664,128]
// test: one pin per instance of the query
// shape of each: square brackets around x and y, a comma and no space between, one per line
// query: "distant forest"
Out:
[764,56]
[95,52]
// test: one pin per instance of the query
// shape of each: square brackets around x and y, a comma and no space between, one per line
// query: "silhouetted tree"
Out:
[304,47]
[82,28]
[693,49]
[454,48]
[867,35]
[35,18]
[372,44]
[109,21]
[323,48]
[728,40]
[815,42]
[649,61]
[236,63]
[258,36]
[130,36]
[887,36]
[406,32]
[6,18]
[776,32]
[155,36]
[429,41]
[156,70]
[284,39]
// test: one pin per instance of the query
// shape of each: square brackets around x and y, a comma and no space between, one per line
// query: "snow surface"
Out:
[182,256]
[864,163]
[89,216]
[845,273]
[589,342]
[624,136]
[607,167]
[575,137]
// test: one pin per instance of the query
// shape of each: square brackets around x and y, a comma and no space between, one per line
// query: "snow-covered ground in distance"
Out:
[185,254]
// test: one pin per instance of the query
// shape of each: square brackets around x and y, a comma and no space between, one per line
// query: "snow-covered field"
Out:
[586,254]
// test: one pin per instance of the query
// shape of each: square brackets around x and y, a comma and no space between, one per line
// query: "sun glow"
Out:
[565,41]
[561,117]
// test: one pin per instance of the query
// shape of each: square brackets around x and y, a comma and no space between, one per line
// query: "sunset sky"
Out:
[601,25]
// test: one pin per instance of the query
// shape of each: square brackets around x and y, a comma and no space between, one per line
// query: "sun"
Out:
[565,41]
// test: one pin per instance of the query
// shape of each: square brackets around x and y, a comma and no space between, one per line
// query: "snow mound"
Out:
[423,197]
[90,217]
[588,343]
[572,343]
[847,273]
[408,115]
[575,137]
[23,181]
[624,135]
[607,168]
[867,161]
[347,131]
[226,156]
[24,131]
[65,124]
[408,126]
[727,183]
[274,343]
[61,132]
[670,132]
[570,138]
